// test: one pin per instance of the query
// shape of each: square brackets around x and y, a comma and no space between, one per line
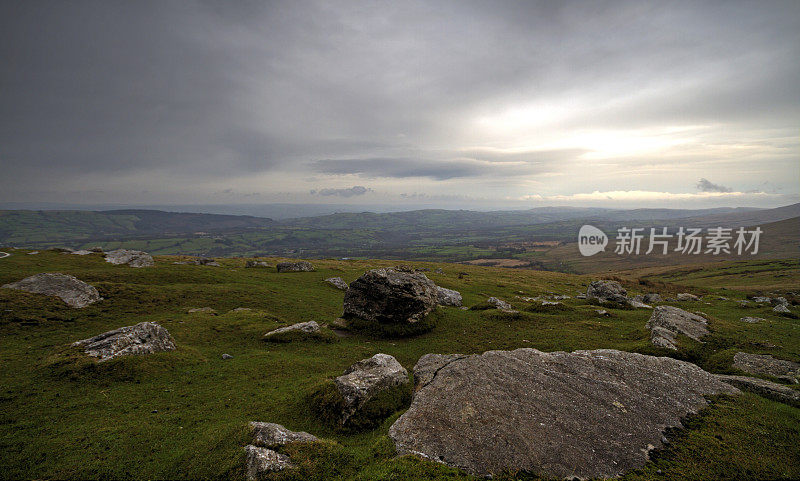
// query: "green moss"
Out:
[328,404]
[393,331]
[548,308]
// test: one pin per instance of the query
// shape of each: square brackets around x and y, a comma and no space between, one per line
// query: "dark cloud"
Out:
[349,192]
[207,91]
[704,185]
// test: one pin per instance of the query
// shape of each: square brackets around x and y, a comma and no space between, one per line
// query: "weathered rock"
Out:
[387,296]
[438,271]
[448,297]
[499,303]
[428,365]
[778,301]
[751,320]
[262,461]
[310,327]
[762,387]
[685,296]
[132,258]
[271,435]
[252,264]
[227,356]
[651,297]
[337,282]
[766,365]
[602,312]
[638,304]
[96,249]
[33,253]
[761,299]
[81,252]
[584,414]
[667,322]
[71,290]
[607,291]
[781,309]
[365,380]
[202,310]
[301,266]
[241,309]
[139,339]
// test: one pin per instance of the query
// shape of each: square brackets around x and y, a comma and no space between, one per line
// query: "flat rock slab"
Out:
[667,322]
[766,365]
[140,339]
[751,319]
[583,414]
[762,387]
[130,257]
[73,291]
[271,435]
[309,327]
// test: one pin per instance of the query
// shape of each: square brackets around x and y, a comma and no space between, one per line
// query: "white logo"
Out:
[591,240]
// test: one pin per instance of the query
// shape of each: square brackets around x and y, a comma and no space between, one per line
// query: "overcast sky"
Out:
[449,103]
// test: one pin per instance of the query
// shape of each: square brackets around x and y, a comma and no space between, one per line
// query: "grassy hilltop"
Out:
[184,414]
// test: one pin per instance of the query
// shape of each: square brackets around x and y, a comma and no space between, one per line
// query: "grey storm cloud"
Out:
[704,185]
[356,190]
[375,88]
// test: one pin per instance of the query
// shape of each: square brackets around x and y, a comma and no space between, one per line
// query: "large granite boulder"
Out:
[606,291]
[583,414]
[766,365]
[301,266]
[448,297]
[667,322]
[387,296]
[130,257]
[140,339]
[366,392]
[71,290]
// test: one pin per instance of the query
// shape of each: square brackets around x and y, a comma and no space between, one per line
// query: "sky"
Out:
[455,104]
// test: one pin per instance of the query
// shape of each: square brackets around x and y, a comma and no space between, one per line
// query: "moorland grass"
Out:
[184,414]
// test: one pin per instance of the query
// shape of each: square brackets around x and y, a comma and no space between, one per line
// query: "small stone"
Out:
[751,320]
[685,296]
[260,461]
[227,356]
[271,435]
[301,266]
[202,310]
[499,303]
[310,327]
[781,309]
[337,282]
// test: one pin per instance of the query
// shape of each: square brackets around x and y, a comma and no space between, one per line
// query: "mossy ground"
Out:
[184,414]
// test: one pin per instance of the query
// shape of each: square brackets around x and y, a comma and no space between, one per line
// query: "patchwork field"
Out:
[184,414]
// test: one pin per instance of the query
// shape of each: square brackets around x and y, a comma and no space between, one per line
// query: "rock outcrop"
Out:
[70,289]
[584,414]
[387,296]
[301,266]
[762,387]
[667,322]
[132,258]
[140,339]
[607,291]
[448,297]
[766,365]
[337,282]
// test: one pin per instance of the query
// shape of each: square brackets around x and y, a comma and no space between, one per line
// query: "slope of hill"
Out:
[184,414]
[22,227]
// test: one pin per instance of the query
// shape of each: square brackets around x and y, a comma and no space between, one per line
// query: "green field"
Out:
[184,414]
